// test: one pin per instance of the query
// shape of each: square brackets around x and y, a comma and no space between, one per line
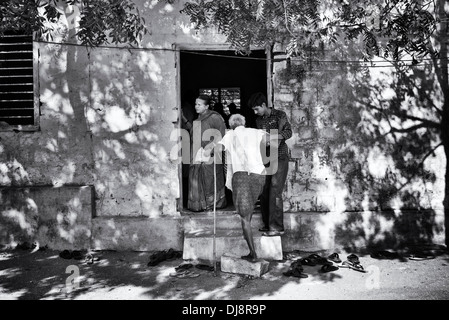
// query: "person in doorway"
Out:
[276,124]
[245,173]
[207,128]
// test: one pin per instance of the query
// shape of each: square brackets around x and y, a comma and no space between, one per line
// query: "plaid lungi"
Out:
[246,189]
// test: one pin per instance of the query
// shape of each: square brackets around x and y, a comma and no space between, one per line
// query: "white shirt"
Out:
[242,147]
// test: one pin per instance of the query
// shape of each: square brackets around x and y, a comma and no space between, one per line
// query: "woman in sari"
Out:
[207,128]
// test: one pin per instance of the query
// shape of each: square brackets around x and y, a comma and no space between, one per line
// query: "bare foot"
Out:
[250,257]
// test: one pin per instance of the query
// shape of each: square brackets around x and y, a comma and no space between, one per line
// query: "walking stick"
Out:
[215,200]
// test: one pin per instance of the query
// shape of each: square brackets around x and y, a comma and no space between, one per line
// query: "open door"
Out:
[228,78]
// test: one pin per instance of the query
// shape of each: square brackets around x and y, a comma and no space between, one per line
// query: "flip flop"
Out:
[156,258]
[184,266]
[171,254]
[328,268]
[353,258]
[334,257]
[295,273]
[354,266]
[77,255]
[66,254]
[317,259]
[307,262]
[204,267]
[178,273]
[421,256]
[383,254]
[184,274]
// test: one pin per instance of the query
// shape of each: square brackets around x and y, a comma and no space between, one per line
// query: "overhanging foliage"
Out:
[388,28]
[98,21]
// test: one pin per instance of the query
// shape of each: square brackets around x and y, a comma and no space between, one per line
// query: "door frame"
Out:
[178,47]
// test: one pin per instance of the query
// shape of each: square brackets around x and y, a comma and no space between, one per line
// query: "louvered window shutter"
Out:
[16,80]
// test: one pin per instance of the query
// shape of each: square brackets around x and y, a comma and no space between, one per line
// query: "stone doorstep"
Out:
[199,245]
[234,264]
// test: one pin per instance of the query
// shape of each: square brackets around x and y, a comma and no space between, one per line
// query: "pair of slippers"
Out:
[314,259]
[353,262]
[75,254]
[184,273]
[295,270]
[328,267]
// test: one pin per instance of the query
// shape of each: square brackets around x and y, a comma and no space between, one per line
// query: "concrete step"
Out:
[226,220]
[301,230]
[233,264]
[199,245]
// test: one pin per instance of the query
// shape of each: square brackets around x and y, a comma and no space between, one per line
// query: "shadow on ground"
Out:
[43,275]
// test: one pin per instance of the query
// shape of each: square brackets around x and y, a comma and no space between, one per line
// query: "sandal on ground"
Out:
[171,254]
[334,257]
[184,266]
[66,254]
[204,267]
[328,268]
[421,256]
[383,254]
[353,258]
[354,266]
[156,258]
[317,259]
[184,274]
[77,255]
[307,262]
[295,272]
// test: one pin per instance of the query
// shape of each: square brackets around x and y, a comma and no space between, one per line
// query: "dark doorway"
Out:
[227,77]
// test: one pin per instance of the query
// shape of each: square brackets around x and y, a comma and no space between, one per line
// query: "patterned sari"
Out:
[201,175]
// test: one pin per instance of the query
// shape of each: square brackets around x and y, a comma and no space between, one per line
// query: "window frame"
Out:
[36,101]
[220,94]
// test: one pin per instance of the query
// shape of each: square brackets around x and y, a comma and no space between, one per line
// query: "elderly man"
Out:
[245,175]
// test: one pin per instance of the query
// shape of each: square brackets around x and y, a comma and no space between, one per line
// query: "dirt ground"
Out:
[44,275]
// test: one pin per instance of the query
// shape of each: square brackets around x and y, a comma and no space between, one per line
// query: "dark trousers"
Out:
[271,203]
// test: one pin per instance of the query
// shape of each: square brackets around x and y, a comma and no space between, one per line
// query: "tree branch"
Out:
[420,164]
[409,129]
[429,153]
[426,123]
